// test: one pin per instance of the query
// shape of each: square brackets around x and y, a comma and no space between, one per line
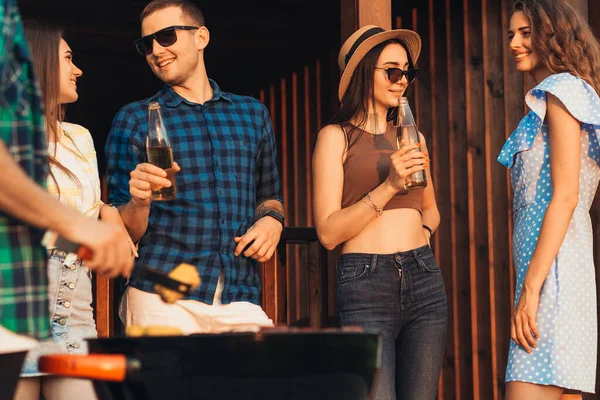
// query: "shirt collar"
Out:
[172,99]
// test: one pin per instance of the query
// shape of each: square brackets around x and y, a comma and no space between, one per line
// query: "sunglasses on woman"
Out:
[396,74]
[165,37]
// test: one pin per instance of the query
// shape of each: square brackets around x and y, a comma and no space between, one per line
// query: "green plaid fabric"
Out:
[23,280]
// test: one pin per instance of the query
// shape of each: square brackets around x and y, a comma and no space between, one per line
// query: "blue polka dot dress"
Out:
[566,319]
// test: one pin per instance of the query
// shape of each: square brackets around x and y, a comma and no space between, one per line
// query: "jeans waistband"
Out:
[415,254]
[67,258]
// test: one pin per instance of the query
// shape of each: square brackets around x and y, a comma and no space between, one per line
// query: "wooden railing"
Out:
[299,272]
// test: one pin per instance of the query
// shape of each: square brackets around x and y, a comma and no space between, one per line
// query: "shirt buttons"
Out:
[64,334]
[62,321]
[76,345]
[67,304]
[220,192]
[71,285]
[72,267]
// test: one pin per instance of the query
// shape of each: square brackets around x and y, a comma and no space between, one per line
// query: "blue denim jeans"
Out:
[401,295]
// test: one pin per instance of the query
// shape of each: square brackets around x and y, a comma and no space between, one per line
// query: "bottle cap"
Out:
[154,105]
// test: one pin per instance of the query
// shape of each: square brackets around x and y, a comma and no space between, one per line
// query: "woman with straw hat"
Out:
[388,278]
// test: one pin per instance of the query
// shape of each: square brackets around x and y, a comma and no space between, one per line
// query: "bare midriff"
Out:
[396,230]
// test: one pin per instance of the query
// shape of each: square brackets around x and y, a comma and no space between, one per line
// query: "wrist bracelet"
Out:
[373,205]
[429,229]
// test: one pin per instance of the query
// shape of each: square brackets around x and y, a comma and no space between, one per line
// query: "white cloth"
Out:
[190,316]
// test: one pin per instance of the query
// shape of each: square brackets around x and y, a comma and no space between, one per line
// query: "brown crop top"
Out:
[367,165]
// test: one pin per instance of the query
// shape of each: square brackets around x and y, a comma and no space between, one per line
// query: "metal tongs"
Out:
[143,272]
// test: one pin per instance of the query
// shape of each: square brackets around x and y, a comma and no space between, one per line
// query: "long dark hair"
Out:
[361,92]
[44,38]
[562,39]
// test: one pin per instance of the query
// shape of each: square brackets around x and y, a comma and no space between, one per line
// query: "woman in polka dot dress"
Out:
[554,158]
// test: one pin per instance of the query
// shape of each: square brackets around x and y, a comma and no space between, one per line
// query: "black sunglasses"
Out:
[395,74]
[165,37]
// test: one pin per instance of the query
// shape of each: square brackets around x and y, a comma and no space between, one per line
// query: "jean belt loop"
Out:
[373,262]
[416,256]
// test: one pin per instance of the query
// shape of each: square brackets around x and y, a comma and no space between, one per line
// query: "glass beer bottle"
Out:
[160,152]
[407,133]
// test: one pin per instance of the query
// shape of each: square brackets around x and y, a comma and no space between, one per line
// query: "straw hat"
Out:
[363,40]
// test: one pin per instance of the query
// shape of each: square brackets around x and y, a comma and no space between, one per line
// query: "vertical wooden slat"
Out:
[498,243]
[104,305]
[295,148]
[287,178]
[476,165]
[318,94]
[104,291]
[300,205]
[273,271]
[358,13]
[280,282]
[309,128]
[461,301]
[317,277]
[594,16]
[420,22]
[442,240]
[285,155]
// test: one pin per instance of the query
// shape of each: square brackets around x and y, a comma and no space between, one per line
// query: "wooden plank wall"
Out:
[468,99]
[298,104]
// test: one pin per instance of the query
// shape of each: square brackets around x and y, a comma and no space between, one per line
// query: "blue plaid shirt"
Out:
[226,151]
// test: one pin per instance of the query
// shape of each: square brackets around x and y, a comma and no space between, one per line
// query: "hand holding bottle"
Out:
[407,134]
[404,163]
[146,179]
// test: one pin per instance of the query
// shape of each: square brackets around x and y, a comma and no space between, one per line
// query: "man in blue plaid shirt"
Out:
[228,213]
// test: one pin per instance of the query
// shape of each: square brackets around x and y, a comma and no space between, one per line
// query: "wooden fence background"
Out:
[468,99]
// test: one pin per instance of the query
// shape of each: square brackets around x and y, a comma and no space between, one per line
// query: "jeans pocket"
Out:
[351,272]
[429,264]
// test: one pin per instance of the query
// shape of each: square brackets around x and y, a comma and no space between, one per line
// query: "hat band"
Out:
[367,34]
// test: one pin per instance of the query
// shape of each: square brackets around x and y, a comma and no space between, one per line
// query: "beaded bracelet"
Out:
[373,205]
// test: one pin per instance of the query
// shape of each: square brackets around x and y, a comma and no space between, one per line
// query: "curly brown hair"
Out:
[562,39]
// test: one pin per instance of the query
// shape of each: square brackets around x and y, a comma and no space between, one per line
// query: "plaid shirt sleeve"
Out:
[23,280]
[124,151]
[266,176]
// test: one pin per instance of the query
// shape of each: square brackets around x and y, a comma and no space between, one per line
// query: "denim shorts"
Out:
[71,313]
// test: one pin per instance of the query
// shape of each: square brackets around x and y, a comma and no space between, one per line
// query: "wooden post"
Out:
[357,13]
[581,6]
[594,16]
